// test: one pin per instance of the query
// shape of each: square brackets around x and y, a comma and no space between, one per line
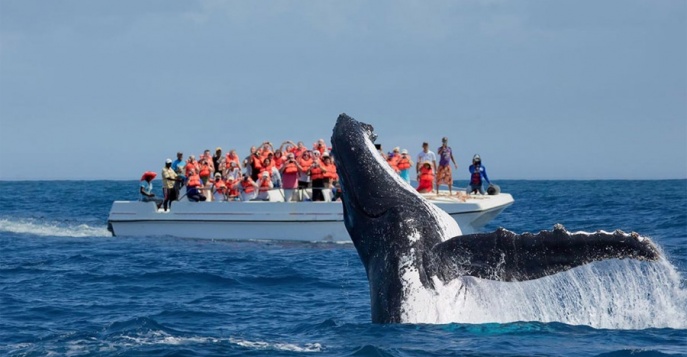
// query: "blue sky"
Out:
[540,89]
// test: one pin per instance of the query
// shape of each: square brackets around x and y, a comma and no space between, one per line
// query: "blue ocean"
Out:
[68,288]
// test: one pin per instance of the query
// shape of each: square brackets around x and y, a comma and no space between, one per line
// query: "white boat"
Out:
[260,220]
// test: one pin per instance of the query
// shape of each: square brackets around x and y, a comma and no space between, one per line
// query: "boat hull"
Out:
[296,221]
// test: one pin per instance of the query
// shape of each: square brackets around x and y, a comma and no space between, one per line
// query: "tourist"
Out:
[316,173]
[477,172]
[193,186]
[426,155]
[219,188]
[320,147]
[425,178]
[248,159]
[255,164]
[208,160]
[278,159]
[217,160]
[179,163]
[191,164]
[146,189]
[289,176]
[329,173]
[232,171]
[205,171]
[232,189]
[233,156]
[304,163]
[393,159]
[264,186]
[248,188]
[169,177]
[404,164]
[444,175]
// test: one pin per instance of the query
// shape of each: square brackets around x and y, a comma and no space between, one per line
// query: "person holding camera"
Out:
[289,176]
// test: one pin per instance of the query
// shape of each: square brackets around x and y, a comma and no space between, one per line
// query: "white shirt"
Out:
[426,156]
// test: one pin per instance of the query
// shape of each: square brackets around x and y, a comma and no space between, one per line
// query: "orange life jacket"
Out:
[403,163]
[220,186]
[204,170]
[291,168]
[191,166]
[247,186]
[305,164]
[265,184]
[316,173]
[426,173]
[278,161]
[331,171]
[194,181]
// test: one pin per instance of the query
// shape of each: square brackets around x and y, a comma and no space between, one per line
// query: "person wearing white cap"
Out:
[264,186]
[477,172]
[404,165]
[169,177]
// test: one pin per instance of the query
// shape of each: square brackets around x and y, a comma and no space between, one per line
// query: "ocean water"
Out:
[68,288]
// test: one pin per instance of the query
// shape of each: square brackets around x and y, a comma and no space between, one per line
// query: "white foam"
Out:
[52,229]
[611,294]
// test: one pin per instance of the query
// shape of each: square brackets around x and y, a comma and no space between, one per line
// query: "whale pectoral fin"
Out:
[506,256]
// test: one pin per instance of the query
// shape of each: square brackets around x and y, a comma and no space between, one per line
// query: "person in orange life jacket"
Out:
[329,170]
[219,188]
[255,163]
[192,187]
[232,156]
[248,160]
[205,171]
[278,159]
[191,164]
[477,172]
[304,162]
[316,173]
[248,188]
[404,164]
[232,191]
[266,149]
[289,176]
[425,178]
[268,166]
[264,186]
[393,159]
[208,159]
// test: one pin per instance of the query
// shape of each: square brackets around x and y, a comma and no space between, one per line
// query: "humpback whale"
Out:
[406,243]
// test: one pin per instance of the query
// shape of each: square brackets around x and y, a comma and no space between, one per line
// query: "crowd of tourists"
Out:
[296,171]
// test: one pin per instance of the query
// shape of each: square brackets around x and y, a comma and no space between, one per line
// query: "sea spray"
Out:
[613,294]
[52,229]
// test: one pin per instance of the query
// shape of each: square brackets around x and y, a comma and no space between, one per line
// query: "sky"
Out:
[540,89]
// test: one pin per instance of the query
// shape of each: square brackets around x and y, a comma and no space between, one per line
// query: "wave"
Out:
[52,229]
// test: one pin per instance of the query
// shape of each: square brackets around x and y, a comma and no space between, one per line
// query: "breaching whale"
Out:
[406,243]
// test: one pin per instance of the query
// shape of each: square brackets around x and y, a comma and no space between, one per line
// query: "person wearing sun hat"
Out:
[146,189]
[425,178]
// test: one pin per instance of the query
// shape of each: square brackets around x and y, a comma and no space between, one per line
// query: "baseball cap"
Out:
[168,161]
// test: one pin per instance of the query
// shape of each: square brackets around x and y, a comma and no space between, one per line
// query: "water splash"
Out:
[612,294]
[52,229]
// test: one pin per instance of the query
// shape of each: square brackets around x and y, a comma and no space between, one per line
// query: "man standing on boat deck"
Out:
[444,175]
[169,177]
